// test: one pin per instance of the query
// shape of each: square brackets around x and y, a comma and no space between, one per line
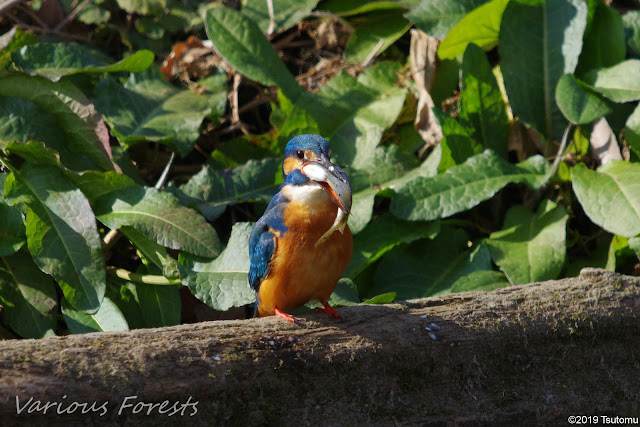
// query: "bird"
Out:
[301,245]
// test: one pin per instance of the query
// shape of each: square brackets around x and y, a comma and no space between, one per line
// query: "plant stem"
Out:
[148,279]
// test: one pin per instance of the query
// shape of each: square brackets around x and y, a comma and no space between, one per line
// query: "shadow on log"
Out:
[524,354]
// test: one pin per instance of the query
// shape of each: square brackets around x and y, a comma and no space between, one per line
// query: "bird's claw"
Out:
[329,310]
[285,316]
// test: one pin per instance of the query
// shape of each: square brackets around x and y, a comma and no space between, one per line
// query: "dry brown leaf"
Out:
[423,69]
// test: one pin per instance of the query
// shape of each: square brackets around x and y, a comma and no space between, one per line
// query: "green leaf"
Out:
[83,130]
[13,40]
[386,298]
[345,294]
[429,267]
[108,318]
[212,191]
[458,143]
[534,60]
[356,7]
[223,282]
[352,114]
[287,13]
[579,104]
[147,108]
[437,17]
[610,196]
[143,7]
[480,280]
[631,23]
[382,235]
[366,184]
[618,83]
[632,130]
[481,103]
[61,232]
[604,44]
[634,243]
[531,247]
[54,60]
[372,28]
[22,120]
[160,217]
[481,27]
[160,305]
[152,252]
[464,186]
[241,42]
[28,297]
[97,184]
[12,231]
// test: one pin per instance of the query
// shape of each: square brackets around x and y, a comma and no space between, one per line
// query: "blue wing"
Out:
[262,242]
[262,245]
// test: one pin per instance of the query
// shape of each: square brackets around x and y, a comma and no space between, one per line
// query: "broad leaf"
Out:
[356,7]
[152,253]
[54,60]
[437,17]
[160,217]
[12,231]
[223,282]
[351,113]
[61,232]
[241,42]
[28,297]
[458,143]
[632,130]
[83,130]
[386,175]
[287,13]
[534,60]
[531,247]
[610,196]
[604,43]
[160,305]
[108,318]
[143,7]
[481,27]
[212,191]
[481,103]
[464,186]
[618,83]
[382,235]
[480,280]
[631,23]
[370,30]
[579,104]
[429,267]
[147,108]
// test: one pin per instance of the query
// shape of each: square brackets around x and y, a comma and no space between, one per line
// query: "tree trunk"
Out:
[535,353]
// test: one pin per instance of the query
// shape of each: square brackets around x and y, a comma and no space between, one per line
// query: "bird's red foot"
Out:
[329,310]
[285,316]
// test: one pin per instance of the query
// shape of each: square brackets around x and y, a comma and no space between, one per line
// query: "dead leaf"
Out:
[604,144]
[423,69]
[524,140]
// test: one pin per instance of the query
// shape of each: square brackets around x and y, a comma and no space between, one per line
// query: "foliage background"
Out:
[139,140]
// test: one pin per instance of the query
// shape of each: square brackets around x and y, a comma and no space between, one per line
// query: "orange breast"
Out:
[300,270]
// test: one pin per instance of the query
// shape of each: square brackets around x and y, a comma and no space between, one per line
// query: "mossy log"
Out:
[535,353]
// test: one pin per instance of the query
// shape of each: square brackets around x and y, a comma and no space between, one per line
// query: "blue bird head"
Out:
[306,162]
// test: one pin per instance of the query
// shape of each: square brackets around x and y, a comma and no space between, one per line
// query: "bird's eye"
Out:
[300,154]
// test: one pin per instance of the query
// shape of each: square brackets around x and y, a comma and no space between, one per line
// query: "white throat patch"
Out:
[311,195]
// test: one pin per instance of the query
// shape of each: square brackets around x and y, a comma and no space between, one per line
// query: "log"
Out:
[536,353]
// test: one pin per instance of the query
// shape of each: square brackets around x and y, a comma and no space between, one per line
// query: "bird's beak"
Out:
[332,178]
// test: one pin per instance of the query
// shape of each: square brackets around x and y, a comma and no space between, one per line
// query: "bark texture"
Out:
[535,353]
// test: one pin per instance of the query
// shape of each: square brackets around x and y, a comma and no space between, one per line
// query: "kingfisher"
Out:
[301,245]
